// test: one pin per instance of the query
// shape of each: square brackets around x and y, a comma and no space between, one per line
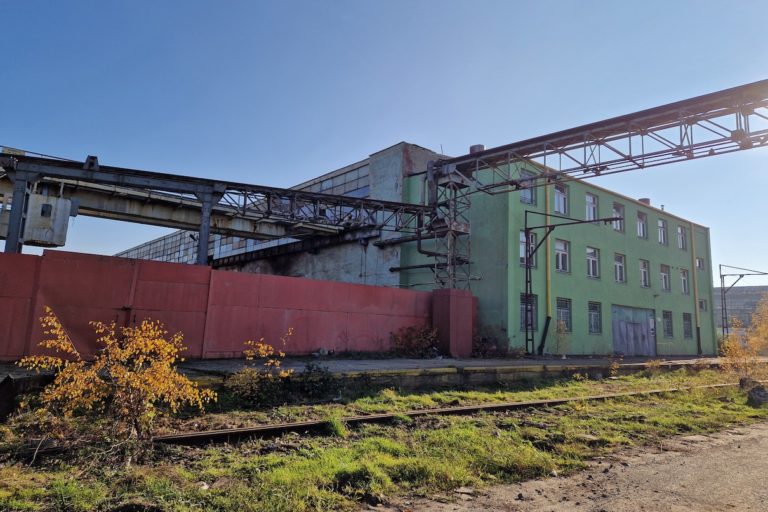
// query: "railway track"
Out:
[319,426]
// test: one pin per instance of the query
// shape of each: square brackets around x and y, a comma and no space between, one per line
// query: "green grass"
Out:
[232,414]
[372,463]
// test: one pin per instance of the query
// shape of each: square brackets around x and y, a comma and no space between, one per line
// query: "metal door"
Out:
[634,331]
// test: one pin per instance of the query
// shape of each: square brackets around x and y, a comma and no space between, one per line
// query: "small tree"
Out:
[561,338]
[261,383]
[131,379]
[742,350]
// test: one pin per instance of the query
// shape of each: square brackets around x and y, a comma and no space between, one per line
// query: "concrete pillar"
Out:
[454,317]
[13,241]
[205,228]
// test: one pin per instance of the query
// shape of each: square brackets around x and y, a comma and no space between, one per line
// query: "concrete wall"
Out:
[216,310]
[360,262]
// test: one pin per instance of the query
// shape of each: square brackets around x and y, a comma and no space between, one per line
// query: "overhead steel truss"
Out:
[303,213]
[713,124]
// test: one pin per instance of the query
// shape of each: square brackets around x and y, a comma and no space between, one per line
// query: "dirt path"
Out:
[719,472]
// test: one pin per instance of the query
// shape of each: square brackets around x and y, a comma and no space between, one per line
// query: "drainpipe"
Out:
[695,276]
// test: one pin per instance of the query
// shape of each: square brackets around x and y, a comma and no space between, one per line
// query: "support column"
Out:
[205,228]
[13,241]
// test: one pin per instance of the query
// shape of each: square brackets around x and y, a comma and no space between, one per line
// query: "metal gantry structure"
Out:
[713,124]
[530,254]
[739,274]
[302,214]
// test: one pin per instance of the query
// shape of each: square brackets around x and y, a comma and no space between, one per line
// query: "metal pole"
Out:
[723,305]
[13,242]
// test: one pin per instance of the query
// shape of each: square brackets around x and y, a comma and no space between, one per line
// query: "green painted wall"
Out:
[496,222]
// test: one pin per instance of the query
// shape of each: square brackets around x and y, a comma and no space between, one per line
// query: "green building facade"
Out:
[641,286]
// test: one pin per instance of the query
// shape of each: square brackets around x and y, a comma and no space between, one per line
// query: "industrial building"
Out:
[639,284]
[742,303]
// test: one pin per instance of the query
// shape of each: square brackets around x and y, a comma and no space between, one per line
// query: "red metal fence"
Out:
[216,310]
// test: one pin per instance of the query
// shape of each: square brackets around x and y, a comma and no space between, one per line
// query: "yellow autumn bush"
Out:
[130,381]
[262,380]
[743,349]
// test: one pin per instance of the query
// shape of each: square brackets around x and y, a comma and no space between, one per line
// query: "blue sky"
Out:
[275,93]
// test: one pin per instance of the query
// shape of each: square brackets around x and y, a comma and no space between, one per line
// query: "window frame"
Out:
[618,211]
[521,243]
[567,256]
[598,312]
[663,229]
[667,323]
[622,265]
[528,190]
[592,212]
[687,325]
[593,261]
[685,283]
[534,313]
[645,271]
[642,220]
[568,311]
[682,238]
[666,278]
[561,192]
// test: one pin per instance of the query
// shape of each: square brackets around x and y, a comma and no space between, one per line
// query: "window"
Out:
[702,305]
[591,213]
[642,225]
[562,258]
[593,262]
[684,281]
[645,278]
[619,268]
[594,318]
[561,199]
[687,326]
[662,231]
[564,314]
[532,244]
[618,211]
[666,317]
[700,264]
[531,315]
[527,194]
[665,282]
[682,238]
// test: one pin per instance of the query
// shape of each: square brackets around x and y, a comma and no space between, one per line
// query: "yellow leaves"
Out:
[742,349]
[131,375]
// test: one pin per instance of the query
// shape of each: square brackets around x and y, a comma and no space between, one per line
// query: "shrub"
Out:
[490,341]
[262,383]
[415,341]
[131,380]
[315,382]
[741,350]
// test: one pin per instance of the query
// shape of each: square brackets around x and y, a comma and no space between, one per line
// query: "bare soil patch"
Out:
[715,472]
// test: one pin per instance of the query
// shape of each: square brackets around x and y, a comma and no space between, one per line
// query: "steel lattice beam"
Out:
[717,123]
[713,124]
[301,213]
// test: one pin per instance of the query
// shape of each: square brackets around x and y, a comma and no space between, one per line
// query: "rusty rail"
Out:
[265,431]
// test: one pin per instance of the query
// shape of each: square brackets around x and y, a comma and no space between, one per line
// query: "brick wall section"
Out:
[216,310]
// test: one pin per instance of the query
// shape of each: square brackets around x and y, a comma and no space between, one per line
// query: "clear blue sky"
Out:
[275,93]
